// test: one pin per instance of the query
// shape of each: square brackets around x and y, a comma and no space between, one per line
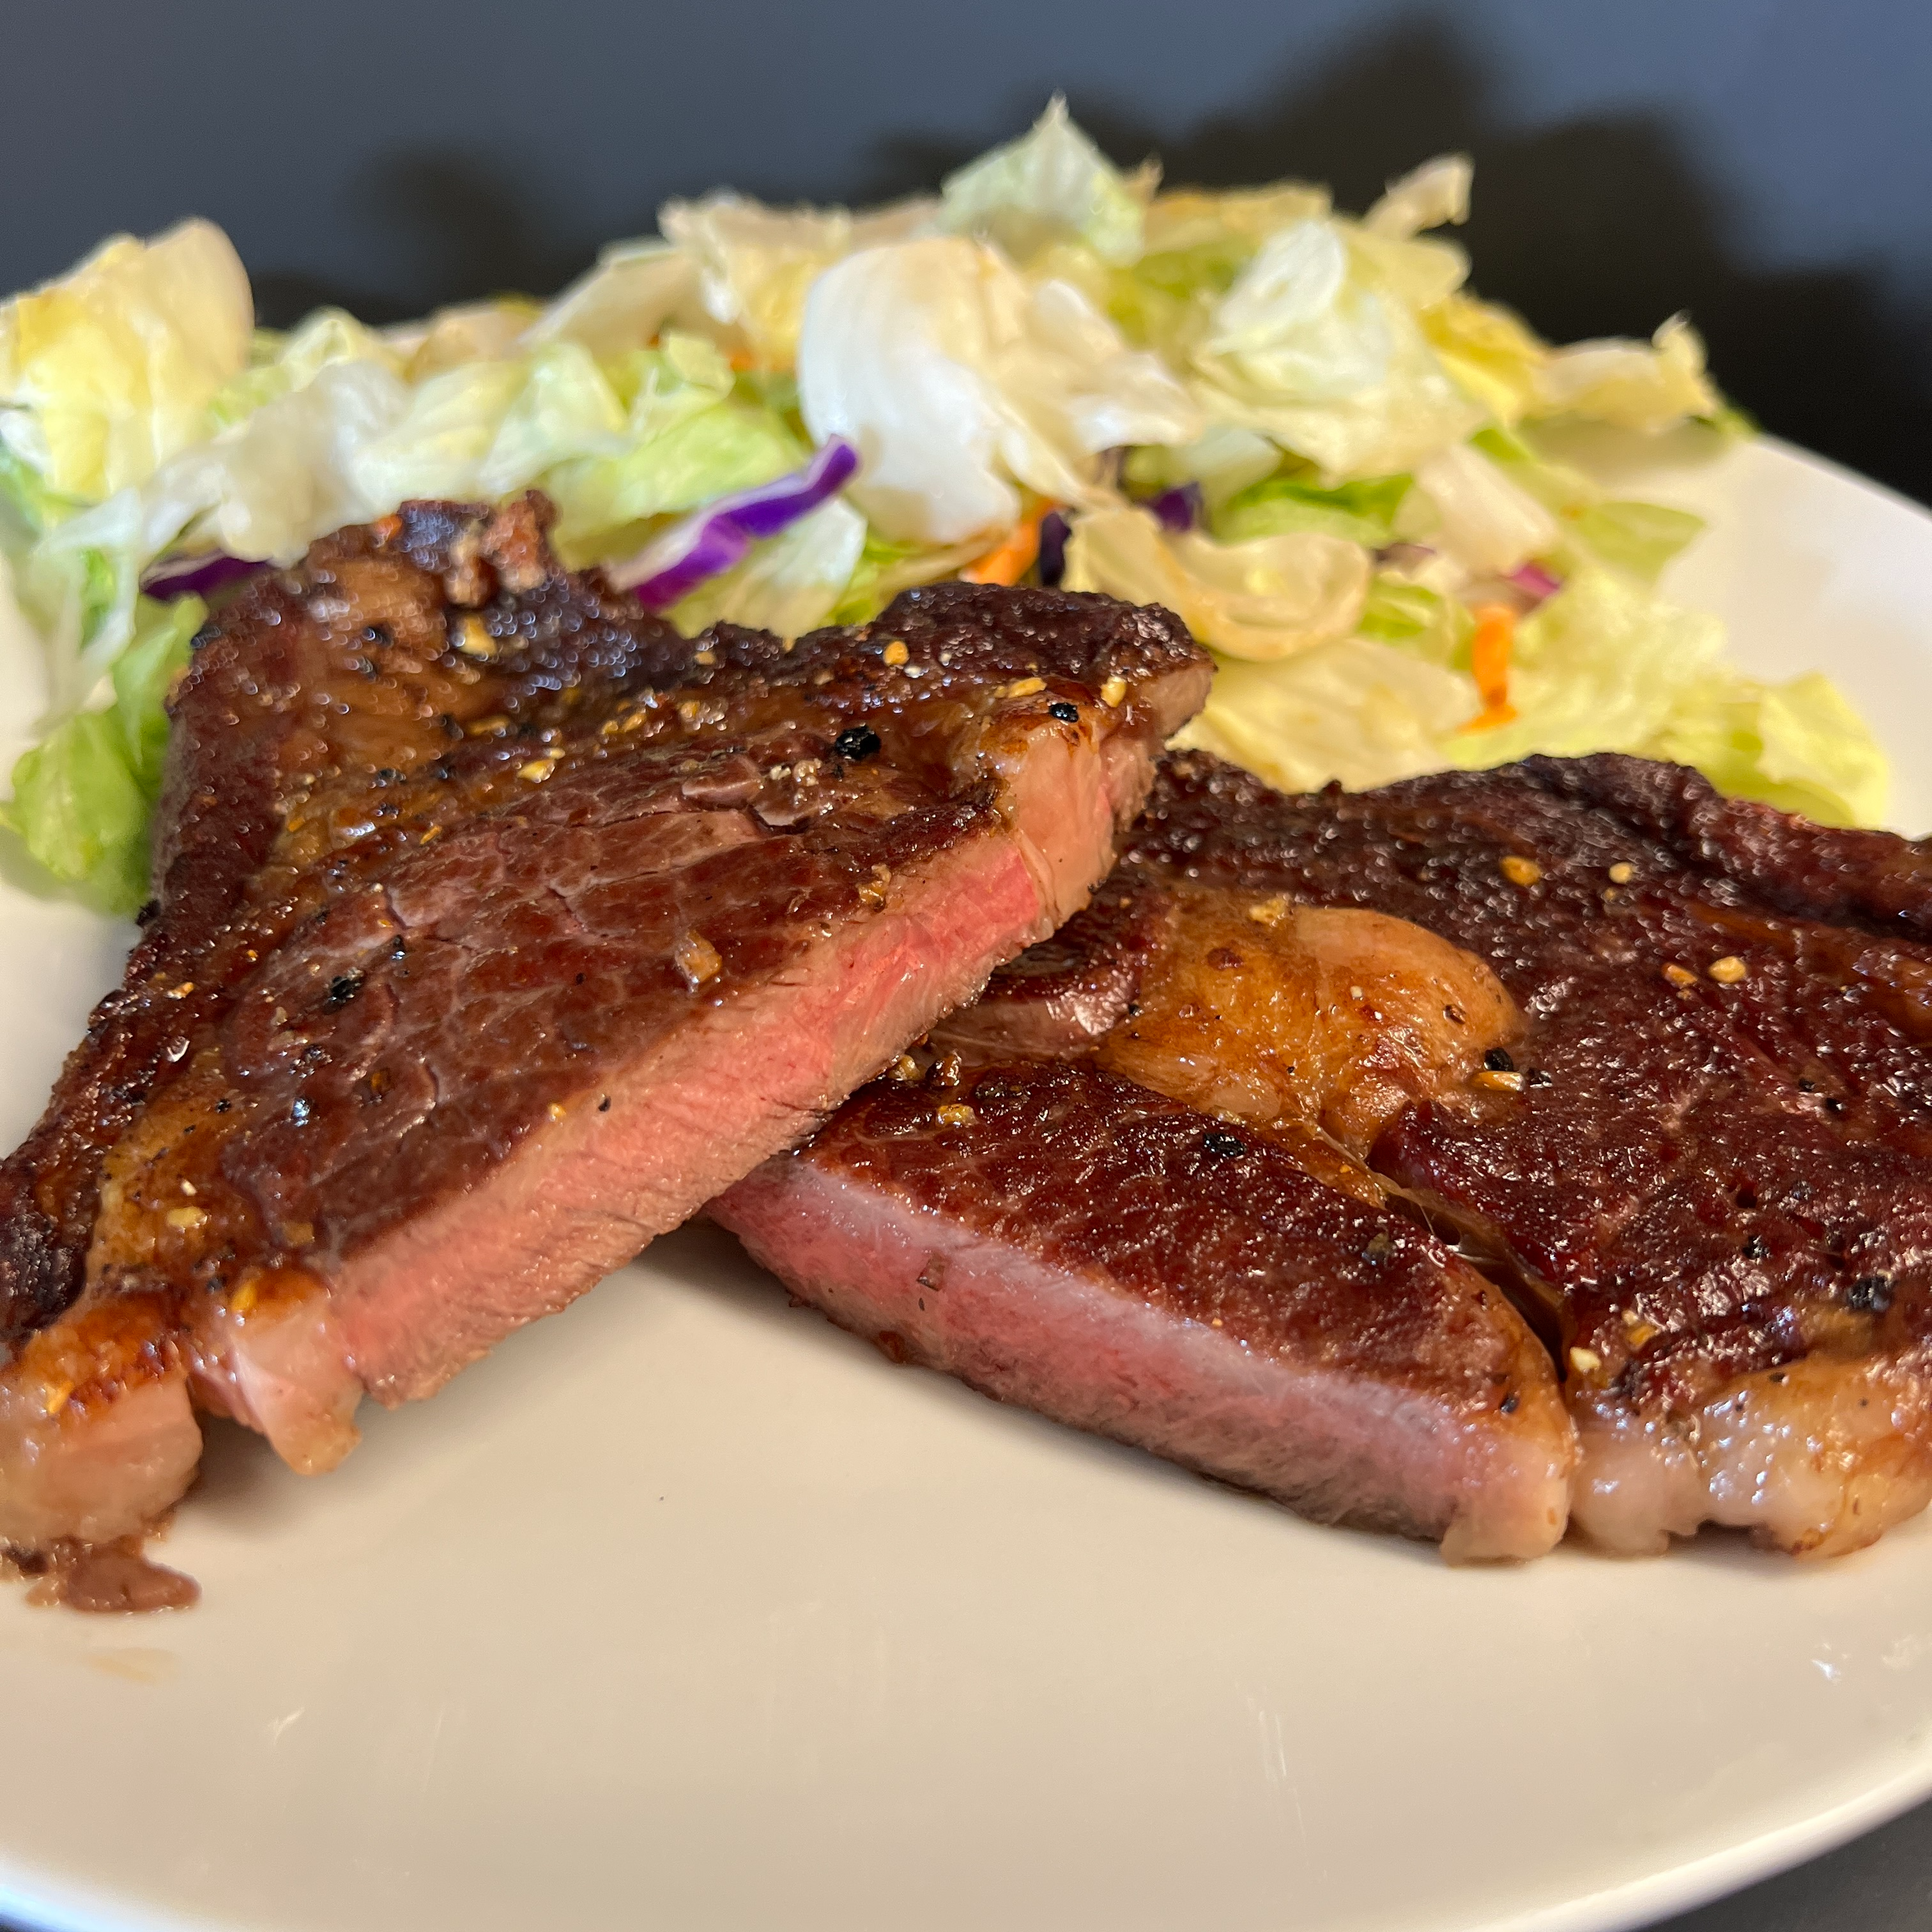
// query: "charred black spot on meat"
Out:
[1067,714]
[41,1274]
[857,741]
[1223,1146]
[1870,1294]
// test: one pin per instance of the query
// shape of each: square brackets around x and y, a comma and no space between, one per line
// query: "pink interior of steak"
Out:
[1063,1239]
[541,925]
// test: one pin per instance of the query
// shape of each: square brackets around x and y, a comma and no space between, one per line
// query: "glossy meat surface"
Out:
[498,927]
[1713,1178]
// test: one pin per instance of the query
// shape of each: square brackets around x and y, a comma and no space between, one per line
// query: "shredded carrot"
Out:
[1011,557]
[1489,649]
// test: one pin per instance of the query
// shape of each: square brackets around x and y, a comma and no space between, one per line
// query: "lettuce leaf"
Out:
[1051,182]
[1640,539]
[1268,597]
[1799,746]
[1490,353]
[636,290]
[958,382]
[279,364]
[1222,460]
[1423,620]
[1357,711]
[885,567]
[1635,385]
[565,407]
[1429,197]
[110,370]
[82,796]
[602,500]
[1363,512]
[1488,524]
[1607,666]
[1603,666]
[287,473]
[1317,345]
[438,447]
[789,584]
[757,264]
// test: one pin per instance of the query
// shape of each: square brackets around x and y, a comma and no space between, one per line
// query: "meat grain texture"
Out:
[1655,1060]
[497,927]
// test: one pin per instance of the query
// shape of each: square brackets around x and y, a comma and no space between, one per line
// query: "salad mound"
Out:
[1299,430]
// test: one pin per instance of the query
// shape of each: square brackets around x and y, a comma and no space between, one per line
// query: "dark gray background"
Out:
[1763,163]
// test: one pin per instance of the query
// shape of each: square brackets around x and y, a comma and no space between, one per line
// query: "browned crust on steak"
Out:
[485,905]
[1709,1178]
[264,712]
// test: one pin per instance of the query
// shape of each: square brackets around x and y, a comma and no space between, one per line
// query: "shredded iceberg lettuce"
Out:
[1607,665]
[958,382]
[1361,712]
[1379,550]
[1364,512]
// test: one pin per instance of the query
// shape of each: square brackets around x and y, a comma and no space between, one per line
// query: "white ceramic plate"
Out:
[687,1610]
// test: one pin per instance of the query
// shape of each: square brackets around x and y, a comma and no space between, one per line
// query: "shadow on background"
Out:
[1595,228]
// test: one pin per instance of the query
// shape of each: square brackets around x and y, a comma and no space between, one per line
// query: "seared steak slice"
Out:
[498,927]
[1171,1237]
[1063,1239]
[1710,1170]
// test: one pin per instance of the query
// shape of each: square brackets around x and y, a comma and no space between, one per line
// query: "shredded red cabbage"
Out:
[711,540]
[1052,561]
[1180,508]
[1533,579]
[194,576]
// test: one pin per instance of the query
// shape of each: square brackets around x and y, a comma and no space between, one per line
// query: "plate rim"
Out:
[37,1897]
